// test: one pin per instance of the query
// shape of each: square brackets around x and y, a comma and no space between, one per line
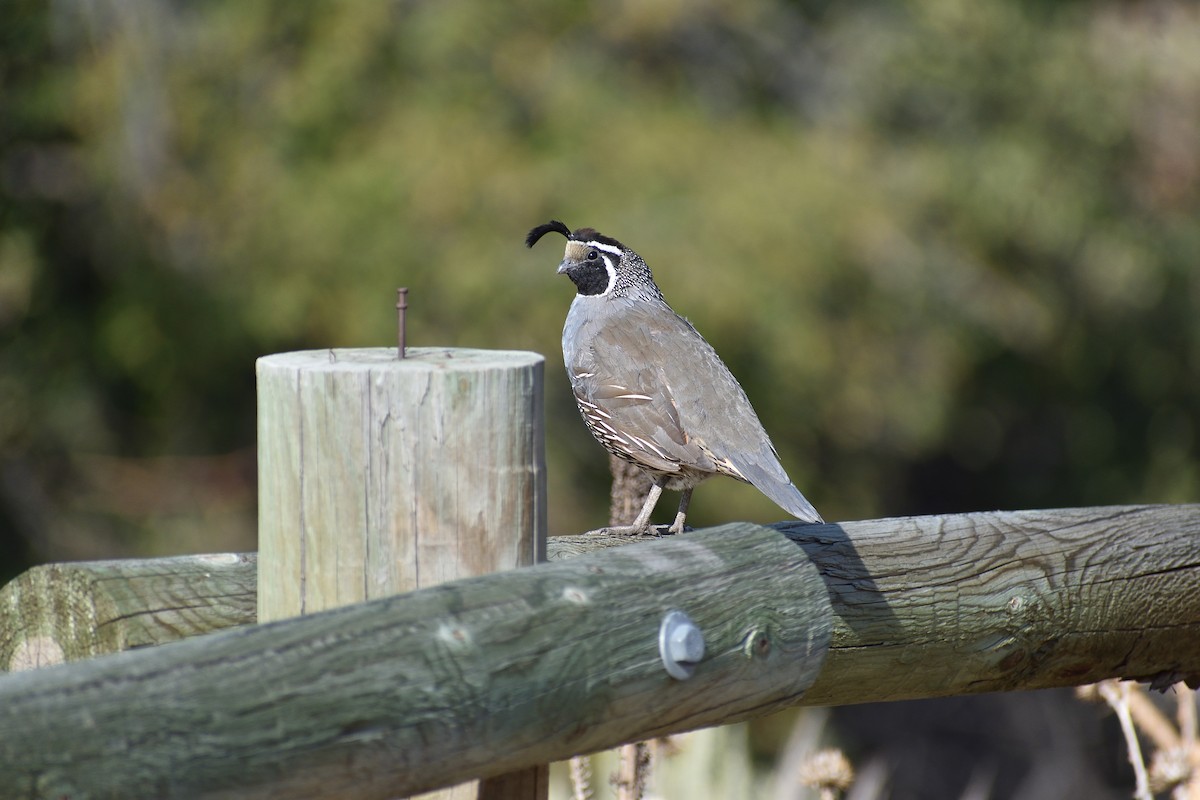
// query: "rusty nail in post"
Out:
[401,305]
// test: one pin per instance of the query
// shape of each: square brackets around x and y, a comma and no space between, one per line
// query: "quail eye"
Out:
[592,255]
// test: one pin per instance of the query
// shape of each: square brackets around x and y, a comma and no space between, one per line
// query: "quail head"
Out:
[651,389]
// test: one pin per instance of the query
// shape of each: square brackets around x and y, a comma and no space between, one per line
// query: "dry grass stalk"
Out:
[829,772]
[581,778]
[1116,694]
[634,767]
[630,486]
[1178,769]
[629,489]
[1175,761]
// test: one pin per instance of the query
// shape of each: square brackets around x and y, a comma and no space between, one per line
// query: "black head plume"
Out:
[541,230]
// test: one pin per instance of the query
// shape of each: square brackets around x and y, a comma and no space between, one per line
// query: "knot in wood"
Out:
[757,644]
[573,594]
[455,637]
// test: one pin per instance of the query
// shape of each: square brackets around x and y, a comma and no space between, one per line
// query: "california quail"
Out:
[651,389]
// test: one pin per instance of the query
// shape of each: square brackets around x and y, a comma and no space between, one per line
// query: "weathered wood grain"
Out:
[922,607]
[968,603]
[67,612]
[384,475]
[1027,599]
[993,601]
[911,590]
[469,679]
[379,475]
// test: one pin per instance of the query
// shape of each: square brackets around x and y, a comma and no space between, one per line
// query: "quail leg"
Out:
[684,499]
[642,523]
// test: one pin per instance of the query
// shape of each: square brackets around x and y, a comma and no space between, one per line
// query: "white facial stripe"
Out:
[612,274]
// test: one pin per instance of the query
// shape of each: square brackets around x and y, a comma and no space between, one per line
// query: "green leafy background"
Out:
[949,247]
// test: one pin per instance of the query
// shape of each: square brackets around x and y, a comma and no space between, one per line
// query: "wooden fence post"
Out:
[380,475]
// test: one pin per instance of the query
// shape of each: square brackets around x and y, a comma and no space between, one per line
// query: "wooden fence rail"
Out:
[490,674]
[957,604]
[471,678]
[68,612]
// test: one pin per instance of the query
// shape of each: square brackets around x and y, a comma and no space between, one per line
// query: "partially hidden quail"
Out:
[651,389]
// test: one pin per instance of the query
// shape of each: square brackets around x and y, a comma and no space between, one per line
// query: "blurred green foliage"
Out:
[949,247]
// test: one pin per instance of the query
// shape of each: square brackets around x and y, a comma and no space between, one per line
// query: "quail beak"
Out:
[565,266]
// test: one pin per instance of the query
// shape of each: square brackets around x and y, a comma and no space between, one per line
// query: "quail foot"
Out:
[651,389]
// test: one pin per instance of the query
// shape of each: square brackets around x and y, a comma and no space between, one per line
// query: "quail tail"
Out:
[790,500]
[784,493]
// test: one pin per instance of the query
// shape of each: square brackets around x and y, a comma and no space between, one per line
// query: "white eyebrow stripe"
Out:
[608,248]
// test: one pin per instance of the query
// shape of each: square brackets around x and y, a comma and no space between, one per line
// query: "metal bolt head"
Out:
[680,644]
[686,643]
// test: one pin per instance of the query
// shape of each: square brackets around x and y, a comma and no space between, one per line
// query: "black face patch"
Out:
[590,276]
[590,266]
